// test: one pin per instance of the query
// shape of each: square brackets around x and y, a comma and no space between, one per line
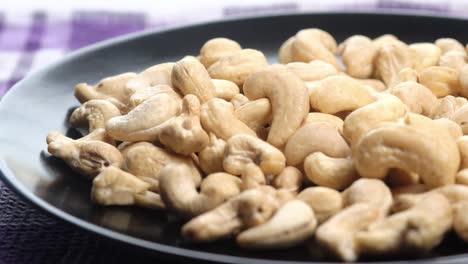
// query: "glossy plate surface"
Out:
[42,103]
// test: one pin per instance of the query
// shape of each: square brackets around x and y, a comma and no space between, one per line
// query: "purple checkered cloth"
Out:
[31,40]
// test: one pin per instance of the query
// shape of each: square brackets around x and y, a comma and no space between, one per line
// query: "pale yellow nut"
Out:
[426,54]
[313,71]
[442,81]
[415,96]
[325,202]
[461,118]
[216,48]
[327,118]
[314,44]
[225,89]
[449,44]
[159,74]
[391,58]
[142,94]
[256,114]
[358,53]
[453,59]
[375,84]
[335,173]
[289,179]
[93,114]
[212,156]
[384,39]
[284,53]
[453,128]
[448,105]
[463,79]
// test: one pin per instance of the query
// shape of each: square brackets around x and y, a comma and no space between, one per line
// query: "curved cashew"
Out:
[179,191]
[239,100]
[183,134]
[110,88]
[282,230]
[418,145]
[189,76]
[146,161]
[425,55]
[315,70]
[288,97]
[441,80]
[418,98]
[369,191]
[289,179]
[453,59]
[99,134]
[358,53]
[93,114]
[114,186]
[159,74]
[142,122]
[86,157]
[327,118]
[453,128]
[142,94]
[417,229]
[386,108]
[315,137]
[375,84]
[237,66]
[323,170]
[217,116]
[216,48]
[255,114]
[325,202]
[250,208]
[284,52]
[448,105]
[384,39]
[312,44]
[460,117]
[212,156]
[338,234]
[391,58]
[225,89]
[244,150]
[449,44]
[340,93]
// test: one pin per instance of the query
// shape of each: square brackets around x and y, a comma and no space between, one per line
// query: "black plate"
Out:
[41,103]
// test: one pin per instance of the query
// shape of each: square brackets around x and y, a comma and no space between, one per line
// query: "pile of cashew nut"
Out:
[358,147]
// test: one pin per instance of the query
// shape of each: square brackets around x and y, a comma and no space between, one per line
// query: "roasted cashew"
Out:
[110,88]
[93,114]
[386,108]
[212,156]
[238,66]
[288,97]
[340,93]
[415,96]
[86,157]
[114,186]
[189,76]
[418,229]
[425,55]
[282,230]
[217,116]
[250,208]
[325,202]
[315,70]
[417,145]
[183,134]
[225,89]
[146,161]
[358,53]
[323,170]
[243,151]
[255,114]
[179,191]
[159,74]
[143,122]
[216,48]
[315,137]
[312,44]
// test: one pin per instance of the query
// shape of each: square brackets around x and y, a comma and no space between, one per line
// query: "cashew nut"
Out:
[449,44]
[312,44]
[159,74]
[216,48]
[142,94]
[282,230]
[375,84]
[441,80]
[327,118]
[340,93]
[238,100]
[225,89]
[93,114]
[86,157]
[237,66]
[425,55]
[390,59]
[448,105]
[289,179]
[460,117]
[415,96]
[184,134]
[358,53]
[179,191]
[288,97]
[453,128]
[453,59]
[315,70]
[323,170]
[212,156]
[325,202]
[255,114]
[217,116]
[114,186]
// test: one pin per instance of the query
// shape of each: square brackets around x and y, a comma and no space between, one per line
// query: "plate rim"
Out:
[10,180]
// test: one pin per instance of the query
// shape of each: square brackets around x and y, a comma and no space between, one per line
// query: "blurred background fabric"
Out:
[35,33]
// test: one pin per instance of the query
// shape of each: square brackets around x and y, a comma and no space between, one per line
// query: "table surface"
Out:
[35,36]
